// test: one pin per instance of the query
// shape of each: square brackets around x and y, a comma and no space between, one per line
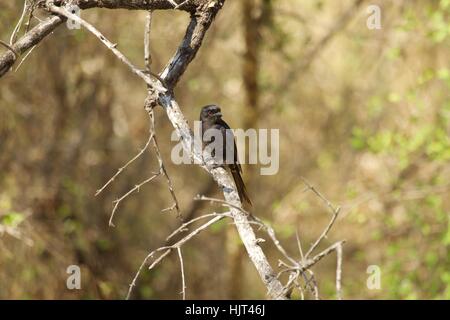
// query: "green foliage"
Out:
[439,22]
[12,219]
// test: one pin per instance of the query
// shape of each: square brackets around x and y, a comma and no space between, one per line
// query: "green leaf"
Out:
[13,219]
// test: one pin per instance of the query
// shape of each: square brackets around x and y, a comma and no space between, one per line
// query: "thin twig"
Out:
[299,245]
[184,226]
[183,281]
[133,283]
[168,249]
[148,62]
[10,48]
[222,202]
[311,262]
[147,54]
[25,57]
[30,16]
[119,171]
[312,281]
[324,233]
[302,267]
[111,46]
[16,30]
[320,195]
[181,4]
[274,238]
[339,271]
[163,168]
[136,187]
[199,24]
[334,210]
[173,3]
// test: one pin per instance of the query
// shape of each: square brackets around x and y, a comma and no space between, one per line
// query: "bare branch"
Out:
[44,28]
[168,249]
[202,15]
[111,46]
[189,6]
[33,37]
[324,233]
[334,210]
[136,188]
[222,202]
[275,240]
[147,54]
[339,271]
[16,30]
[191,42]
[299,246]
[302,267]
[184,226]
[26,56]
[311,262]
[163,169]
[119,171]
[320,195]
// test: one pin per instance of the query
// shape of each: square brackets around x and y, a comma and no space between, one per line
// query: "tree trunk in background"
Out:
[255,15]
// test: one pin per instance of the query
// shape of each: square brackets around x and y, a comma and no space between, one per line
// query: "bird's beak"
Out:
[218,114]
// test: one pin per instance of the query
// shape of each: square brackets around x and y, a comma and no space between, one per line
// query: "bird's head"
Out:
[210,113]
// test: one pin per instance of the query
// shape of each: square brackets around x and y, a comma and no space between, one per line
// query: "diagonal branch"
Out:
[47,26]
[33,37]
[191,43]
[183,281]
[225,182]
[195,32]
[201,19]
[111,46]
[168,249]
[189,6]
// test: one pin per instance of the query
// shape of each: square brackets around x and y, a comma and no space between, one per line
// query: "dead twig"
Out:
[167,249]
[157,85]
[7,46]
[183,281]
[136,188]
[119,171]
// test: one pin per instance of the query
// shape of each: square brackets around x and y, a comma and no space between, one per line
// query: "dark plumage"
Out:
[211,118]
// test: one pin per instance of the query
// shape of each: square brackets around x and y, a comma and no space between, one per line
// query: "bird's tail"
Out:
[242,191]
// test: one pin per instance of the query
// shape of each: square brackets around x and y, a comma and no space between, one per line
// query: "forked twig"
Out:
[119,171]
[136,188]
[16,30]
[168,249]
[157,85]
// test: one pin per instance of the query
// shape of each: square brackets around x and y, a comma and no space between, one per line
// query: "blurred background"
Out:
[363,114]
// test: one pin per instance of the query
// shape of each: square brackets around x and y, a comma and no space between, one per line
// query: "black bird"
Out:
[211,118]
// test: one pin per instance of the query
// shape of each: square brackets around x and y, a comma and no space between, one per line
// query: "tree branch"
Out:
[202,15]
[33,37]
[199,24]
[189,6]
[225,182]
[44,28]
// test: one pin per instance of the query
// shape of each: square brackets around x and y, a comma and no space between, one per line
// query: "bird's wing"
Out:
[230,146]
